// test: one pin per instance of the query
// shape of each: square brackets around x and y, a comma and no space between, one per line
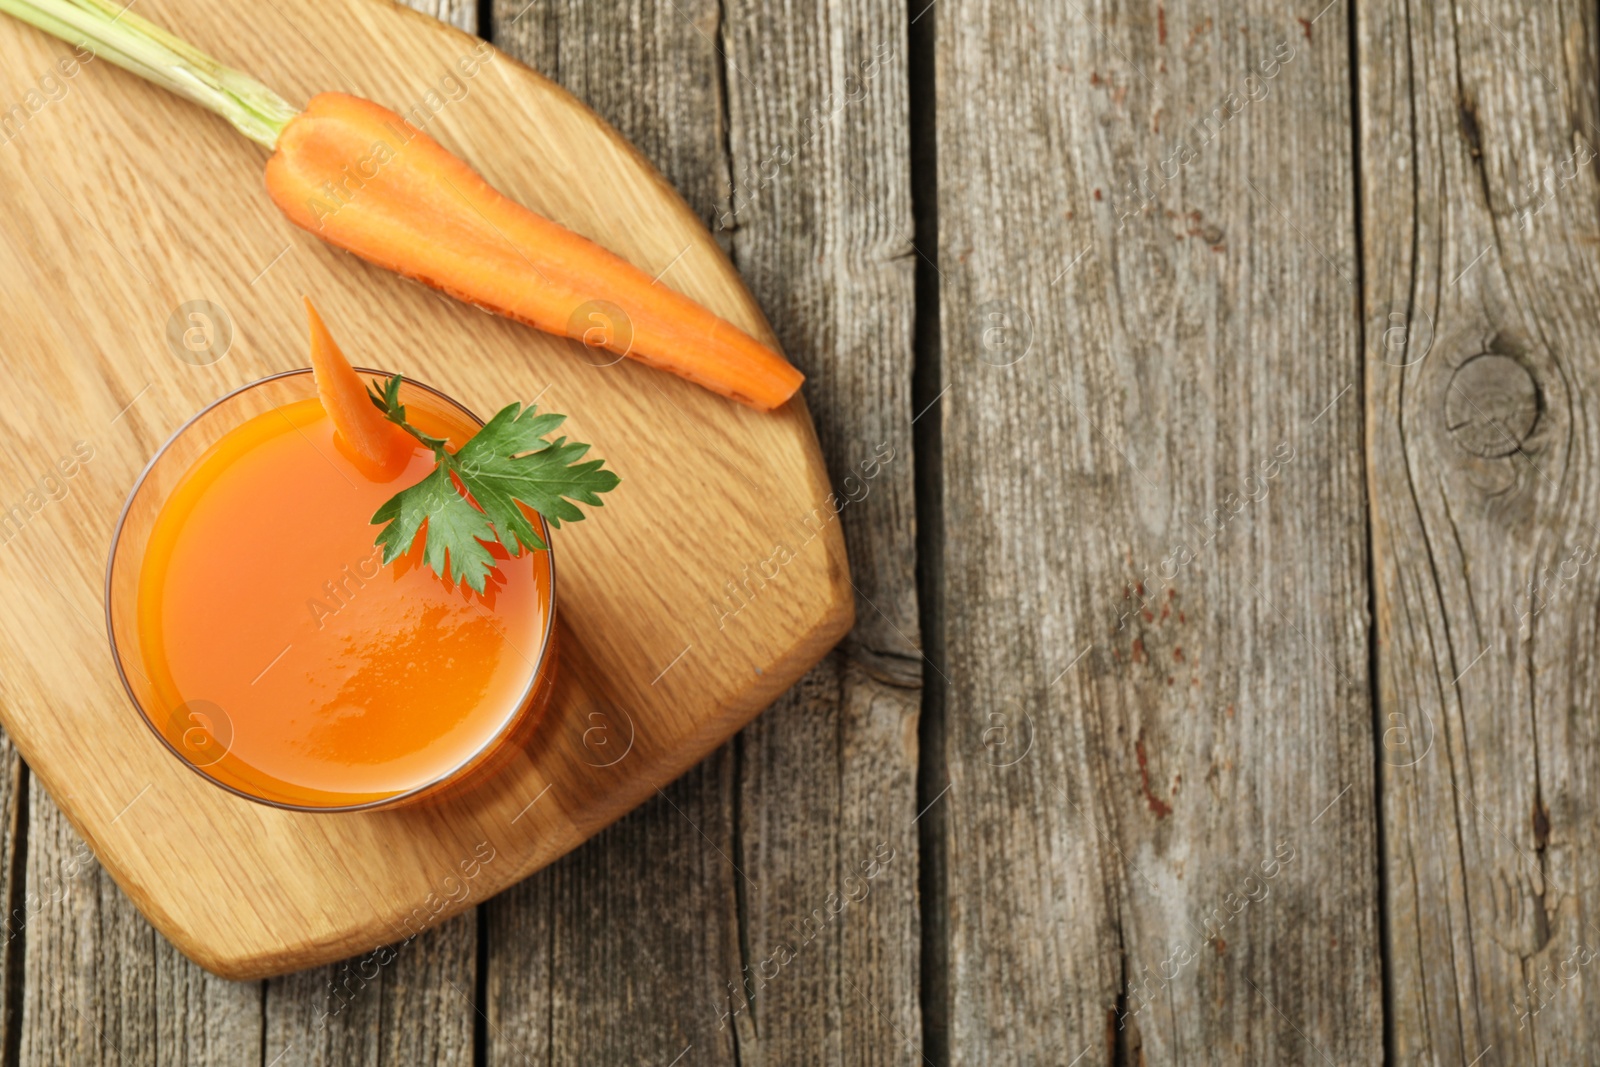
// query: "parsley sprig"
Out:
[505,464]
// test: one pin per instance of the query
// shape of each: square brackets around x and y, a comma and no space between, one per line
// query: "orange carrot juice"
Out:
[282,658]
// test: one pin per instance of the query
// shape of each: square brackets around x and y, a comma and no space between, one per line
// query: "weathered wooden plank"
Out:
[1478,135]
[814,142]
[821,226]
[1160,825]
[648,68]
[621,952]
[199,1018]
[832,928]
[411,1002]
[100,985]
[463,14]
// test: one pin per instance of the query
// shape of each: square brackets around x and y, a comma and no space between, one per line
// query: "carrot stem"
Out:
[117,35]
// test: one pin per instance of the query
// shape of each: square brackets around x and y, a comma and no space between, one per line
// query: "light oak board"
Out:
[123,204]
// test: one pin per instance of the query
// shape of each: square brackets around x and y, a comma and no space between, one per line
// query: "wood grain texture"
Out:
[592,961]
[622,952]
[820,222]
[320,888]
[1160,826]
[831,922]
[798,161]
[426,1013]
[410,1002]
[462,14]
[1140,870]
[1479,129]
[101,986]
[198,1018]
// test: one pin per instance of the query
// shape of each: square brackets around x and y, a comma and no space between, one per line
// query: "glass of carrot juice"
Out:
[264,642]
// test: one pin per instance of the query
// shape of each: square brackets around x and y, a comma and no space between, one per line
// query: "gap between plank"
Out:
[16,898]
[741,898]
[1385,965]
[927,442]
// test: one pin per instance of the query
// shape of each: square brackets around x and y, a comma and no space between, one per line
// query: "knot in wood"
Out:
[1492,405]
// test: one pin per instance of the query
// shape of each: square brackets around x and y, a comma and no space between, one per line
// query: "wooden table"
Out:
[1221,691]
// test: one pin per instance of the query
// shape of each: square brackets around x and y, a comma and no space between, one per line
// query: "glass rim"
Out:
[520,706]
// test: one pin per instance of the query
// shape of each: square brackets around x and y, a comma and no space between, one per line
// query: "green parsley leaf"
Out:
[505,465]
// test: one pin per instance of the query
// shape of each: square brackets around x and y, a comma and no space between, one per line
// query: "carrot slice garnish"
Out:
[380,447]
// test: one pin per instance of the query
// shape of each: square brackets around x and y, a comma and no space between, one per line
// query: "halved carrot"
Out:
[361,177]
[378,445]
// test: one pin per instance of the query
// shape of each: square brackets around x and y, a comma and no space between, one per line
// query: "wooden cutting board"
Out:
[123,205]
